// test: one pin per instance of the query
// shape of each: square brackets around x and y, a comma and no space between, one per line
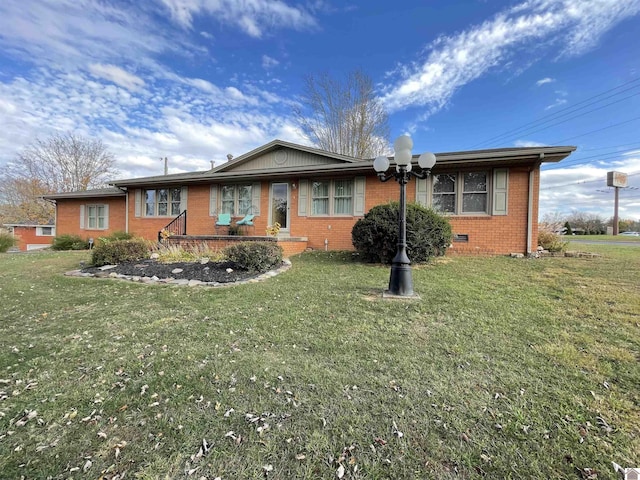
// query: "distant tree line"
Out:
[585,223]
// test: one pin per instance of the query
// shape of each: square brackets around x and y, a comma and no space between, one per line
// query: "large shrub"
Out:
[69,242]
[551,241]
[375,236]
[119,251]
[6,242]
[255,256]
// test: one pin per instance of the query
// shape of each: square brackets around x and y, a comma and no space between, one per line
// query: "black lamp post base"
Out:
[400,282]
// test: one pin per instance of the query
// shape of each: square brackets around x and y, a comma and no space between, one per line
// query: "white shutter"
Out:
[500,191]
[303,196]
[359,189]
[183,199]
[138,200]
[106,217]
[421,191]
[81,217]
[213,200]
[255,198]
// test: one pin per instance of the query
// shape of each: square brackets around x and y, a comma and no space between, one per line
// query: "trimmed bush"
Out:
[375,236]
[255,256]
[119,251]
[551,241]
[6,242]
[116,236]
[69,242]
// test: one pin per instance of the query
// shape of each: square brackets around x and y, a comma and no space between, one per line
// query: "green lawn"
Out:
[506,368]
[604,238]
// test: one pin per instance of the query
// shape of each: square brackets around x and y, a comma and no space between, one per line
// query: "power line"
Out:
[574,183]
[557,142]
[529,132]
[569,109]
[609,146]
[581,161]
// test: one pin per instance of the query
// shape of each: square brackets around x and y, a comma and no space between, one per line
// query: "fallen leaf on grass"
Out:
[588,473]
[340,472]
[397,432]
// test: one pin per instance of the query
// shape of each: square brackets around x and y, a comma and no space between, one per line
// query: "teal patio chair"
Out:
[224,220]
[247,220]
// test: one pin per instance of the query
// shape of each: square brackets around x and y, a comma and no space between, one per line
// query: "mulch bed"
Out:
[220,272]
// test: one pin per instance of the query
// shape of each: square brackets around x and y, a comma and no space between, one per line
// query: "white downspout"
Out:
[126,208]
[532,173]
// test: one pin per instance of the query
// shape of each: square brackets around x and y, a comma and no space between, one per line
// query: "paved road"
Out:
[606,242]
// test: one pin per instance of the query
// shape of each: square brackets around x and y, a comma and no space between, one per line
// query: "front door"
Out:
[279,211]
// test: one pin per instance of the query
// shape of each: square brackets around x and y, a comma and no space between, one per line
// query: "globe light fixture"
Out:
[400,279]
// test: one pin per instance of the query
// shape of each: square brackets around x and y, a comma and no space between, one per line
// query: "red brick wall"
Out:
[289,247]
[487,234]
[68,216]
[499,234]
[27,236]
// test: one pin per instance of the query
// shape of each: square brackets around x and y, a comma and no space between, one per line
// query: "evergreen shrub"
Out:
[375,236]
[69,242]
[119,251]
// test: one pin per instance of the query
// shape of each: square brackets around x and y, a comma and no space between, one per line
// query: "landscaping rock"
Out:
[107,267]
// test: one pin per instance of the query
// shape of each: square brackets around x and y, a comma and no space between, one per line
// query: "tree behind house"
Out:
[61,163]
[344,117]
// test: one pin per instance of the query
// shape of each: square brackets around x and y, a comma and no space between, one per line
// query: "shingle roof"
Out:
[96,192]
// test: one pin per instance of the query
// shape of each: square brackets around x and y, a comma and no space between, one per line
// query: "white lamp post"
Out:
[400,280]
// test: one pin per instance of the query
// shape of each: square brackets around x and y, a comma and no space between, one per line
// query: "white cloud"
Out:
[253,17]
[65,32]
[454,61]
[269,62]
[528,143]
[116,75]
[584,188]
[558,103]
[542,81]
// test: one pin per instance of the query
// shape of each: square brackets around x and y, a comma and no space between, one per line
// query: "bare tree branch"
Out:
[62,163]
[344,118]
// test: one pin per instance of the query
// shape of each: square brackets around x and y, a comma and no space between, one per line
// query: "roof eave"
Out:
[72,195]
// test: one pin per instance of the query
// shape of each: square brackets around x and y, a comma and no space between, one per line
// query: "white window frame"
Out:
[475,192]
[97,216]
[237,211]
[171,202]
[332,197]
[40,231]
[460,192]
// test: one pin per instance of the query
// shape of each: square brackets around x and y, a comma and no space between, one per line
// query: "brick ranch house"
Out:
[490,197]
[31,236]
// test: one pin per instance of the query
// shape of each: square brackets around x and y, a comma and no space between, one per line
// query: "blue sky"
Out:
[194,80]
